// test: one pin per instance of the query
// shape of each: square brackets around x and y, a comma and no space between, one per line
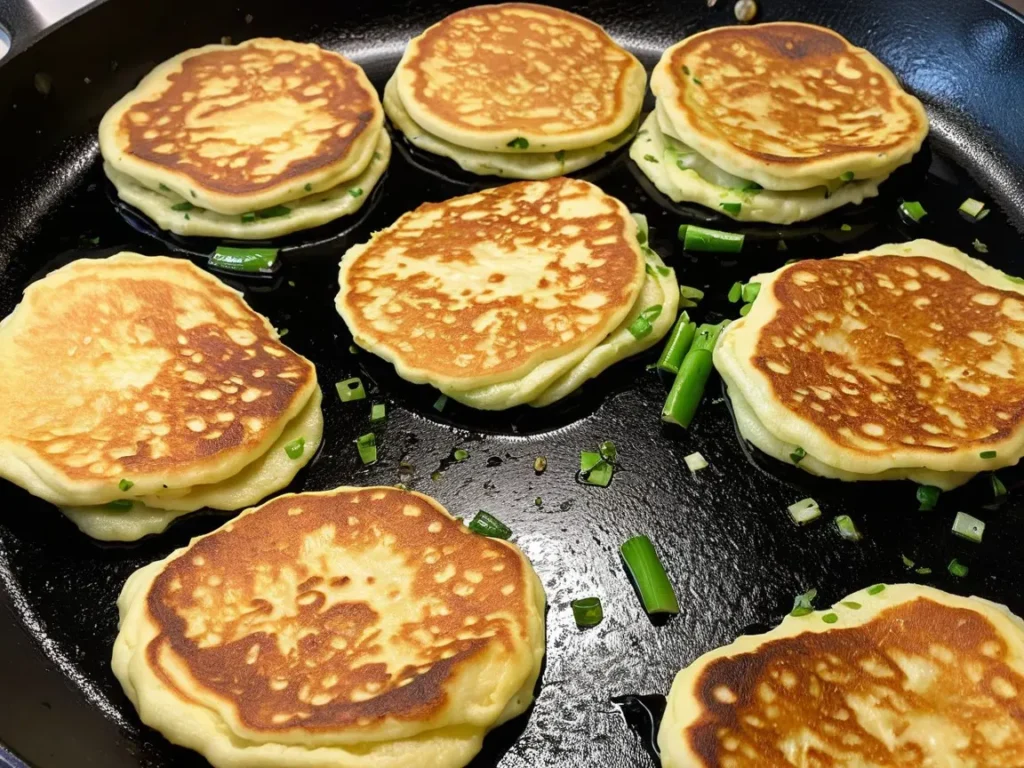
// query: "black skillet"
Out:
[729,546]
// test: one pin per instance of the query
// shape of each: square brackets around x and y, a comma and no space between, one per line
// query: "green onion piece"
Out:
[689,297]
[460,454]
[797,455]
[987,454]
[436,475]
[540,464]
[688,388]
[560,155]
[830,618]
[804,604]
[164,188]
[650,158]
[851,604]
[126,485]
[587,611]
[846,228]
[957,568]
[750,292]
[119,505]
[968,527]
[979,246]
[649,574]
[182,206]
[244,259]
[696,81]
[745,309]
[847,528]
[686,70]
[640,327]
[927,497]
[519,143]
[733,208]
[751,186]
[355,192]
[295,448]
[367,446]
[350,390]
[907,561]
[594,469]
[309,187]
[353,349]
[678,344]
[781,246]
[695,462]
[973,208]
[913,210]
[538,501]
[378,412]
[696,238]
[847,176]
[735,292]
[282,333]
[608,452]
[804,511]
[641,228]
[652,313]
[923,571]
[998,489]
[440,403]
[488,525]
[876,589]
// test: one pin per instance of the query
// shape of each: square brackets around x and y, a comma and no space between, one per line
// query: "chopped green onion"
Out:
[378,412]
[686,70]
[355,192]
[830,618]
[957,568]
[846,176]
[641,327]
[847,528]
[696,238]
[968,527]
[649,575]
[608,452]
[804,511]
[876,589]
[913,210]
[295,448]
[678,344]
[560,155]
[998,489]
[272,213]
[988,454]
[587,611]
[696,81]
[519,143]
[540,464]
[352,348]
[735,292]
[745,309]
[927,497]
[688,388]
[538,501]
[460,454]
[650,158]
[440,403]
[436,475]
[751,186]
[733,208]
[689,297]
[350,390]
[244,259]
[309,187]
[923,571]
[282,333]
[695,462]
[846,228]
[182,206]
[973,208]
[781,246]
[488,525]
[126,485]
[851,604]
[119,505]
[797,455]
[750,291]
[641,228]
[907,561]
[164,188]
[594,469]
[804,604]
[979,246]
[367,446]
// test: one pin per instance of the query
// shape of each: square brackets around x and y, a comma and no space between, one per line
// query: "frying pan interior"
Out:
[730,549]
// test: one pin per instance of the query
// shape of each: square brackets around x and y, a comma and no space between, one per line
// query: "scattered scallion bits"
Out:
[125,485]
[979,246]
[735,292]
[696,238]
[519,142]
[367,447]
[913,210]
[845,228]
[957,568]
[852,604]
[804,511]
[460,454]
[678,344]
[695,462]
[119,505]
[804,604]
[745,309]
[378,412]
[350,390]
[998,489]
[927,497]
[649,575]
[183,206]
[488,525]
[749,292]
[847,528]
[974,209]
[797,455]
[830,618]
[587,611]
[731,208]
[876,589]
[689,297]
[538,501]
[540,464]
[688,388]
[988,454]
[907,562]
[846,176]
[295,448]
[440,403]
[923,571]
[608,451]
[594,470]
[355,192]
[273,212]
[244,259]
[641,327]
[968,527]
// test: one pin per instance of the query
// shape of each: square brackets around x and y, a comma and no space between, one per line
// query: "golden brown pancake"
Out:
[139,368]
[483,288]
[787,105]
[492,74]
[242,128]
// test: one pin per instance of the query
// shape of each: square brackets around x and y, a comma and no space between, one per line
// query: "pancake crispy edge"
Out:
[934,386]
[788,105]
[482,288]
[297,119]
[930,673]
[144,369]
[564,83]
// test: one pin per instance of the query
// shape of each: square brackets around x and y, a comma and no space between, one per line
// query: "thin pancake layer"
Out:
[907,356]
[242,128]
[487,76]
[483,288]
[144,369]
[907,676]
[178,215]
[348,623]
[788,105]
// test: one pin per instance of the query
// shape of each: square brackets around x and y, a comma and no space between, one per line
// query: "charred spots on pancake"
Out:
[267,615]
[193,125]
[916,669]
[892,352]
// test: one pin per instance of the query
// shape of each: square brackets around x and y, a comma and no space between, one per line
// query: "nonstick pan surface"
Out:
[735,557]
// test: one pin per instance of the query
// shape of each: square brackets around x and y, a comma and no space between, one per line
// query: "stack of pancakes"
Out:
[776,122]
[357,628]
[247,142]
[895,363]
[512,295]
[137,389]
[516,90]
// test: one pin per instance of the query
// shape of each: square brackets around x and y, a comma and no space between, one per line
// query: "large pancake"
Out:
[354,627]
[486,76]
[483,288]
[905,676]
[144,369]
[242,128]
[787,105]
[908,356]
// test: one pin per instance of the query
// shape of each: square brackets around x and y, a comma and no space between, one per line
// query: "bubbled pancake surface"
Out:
[482,288]
[788,104]
[139,368]
[238,128]
[485,76]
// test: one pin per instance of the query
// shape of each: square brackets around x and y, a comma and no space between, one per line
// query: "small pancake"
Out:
[145,369]
[487,76]
[906,356]
[907,676]
[484,288]
[240,128]
[354,627]
[788,105]
[177,215]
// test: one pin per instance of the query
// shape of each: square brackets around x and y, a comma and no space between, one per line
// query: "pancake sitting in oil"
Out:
[897,675]
[511,295]
[138,389]
[777,122]
[355,628]
[516,90]
[251,141]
